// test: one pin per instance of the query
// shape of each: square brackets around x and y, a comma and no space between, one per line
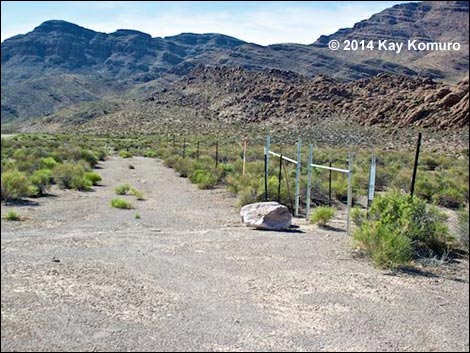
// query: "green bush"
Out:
[70,176]
[204,179]
[48,163]
[122,189]
[184,167]
[121,203]
[81,184]
[12,216]
[387,247]
[41,179]
[321,215]
[358,215]
[150,153]
[95,178]
[138,194]
[462,227]
[396,220]
[125,154]
[171,161]
[449,197]
[90,157]
[15,185]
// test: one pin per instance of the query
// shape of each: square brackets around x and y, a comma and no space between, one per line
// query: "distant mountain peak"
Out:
[61,26]
[132,32]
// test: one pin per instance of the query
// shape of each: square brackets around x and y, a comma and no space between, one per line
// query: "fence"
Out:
[197,147]
[310,165]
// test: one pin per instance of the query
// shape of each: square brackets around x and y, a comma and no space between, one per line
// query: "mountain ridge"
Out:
[132,62]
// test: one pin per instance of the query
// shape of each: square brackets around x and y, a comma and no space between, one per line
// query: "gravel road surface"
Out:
[80,275]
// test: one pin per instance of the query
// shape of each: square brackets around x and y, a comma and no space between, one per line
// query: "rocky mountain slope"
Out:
[60,64]
[429,21]
[273,96]
[225,98]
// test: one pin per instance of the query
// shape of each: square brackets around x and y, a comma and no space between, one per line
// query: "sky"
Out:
[260,22]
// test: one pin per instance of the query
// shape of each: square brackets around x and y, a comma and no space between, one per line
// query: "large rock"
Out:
[266,215]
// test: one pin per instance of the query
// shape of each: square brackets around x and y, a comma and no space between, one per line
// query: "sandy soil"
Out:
[80,275]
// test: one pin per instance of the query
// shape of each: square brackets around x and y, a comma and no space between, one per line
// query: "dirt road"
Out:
[80,275]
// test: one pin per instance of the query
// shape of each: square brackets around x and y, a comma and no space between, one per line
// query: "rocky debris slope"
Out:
[131,62]
[273,96]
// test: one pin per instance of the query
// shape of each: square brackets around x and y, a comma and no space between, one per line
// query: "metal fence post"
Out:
[197,152]
[297,178]
[216,153]
[415,167]
[184,147]
[348,221]
[329,185]
[279,178]
[266,166]
[371,190]
[309,178]
[244,155]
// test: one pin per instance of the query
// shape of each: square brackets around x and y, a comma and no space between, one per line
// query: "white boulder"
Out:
[266,215]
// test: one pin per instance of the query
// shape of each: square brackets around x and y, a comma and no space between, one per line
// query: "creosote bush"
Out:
[95,178]
[71,176]
[122,189]
[41,180]
[138,194]
[204,179]
[121,203]
[15,185]
[125,154]
[321,215]
[400,229]
[12,216]
[463,228]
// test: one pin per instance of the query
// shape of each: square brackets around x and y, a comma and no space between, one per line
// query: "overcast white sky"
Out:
[254,21]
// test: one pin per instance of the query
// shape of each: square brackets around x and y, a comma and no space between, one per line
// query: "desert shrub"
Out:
[184,167]
[339,188]
[95,178]
[138,194]
[125,154]
[131,166]
[358,215]
[321,215]
[429,162]
[90,157]
[150,153]
[41,179]
[204,179]
[15,185]
[71,176]
[12,216]
[402,180]
[122,189]
[426,187]
[101,154]
[81,184]
[171,161]
[386,247]
[396,220]
[463,227]
[48,163]
[449,197]
[224,169]
[137,216]
[121,203]
[247,187]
